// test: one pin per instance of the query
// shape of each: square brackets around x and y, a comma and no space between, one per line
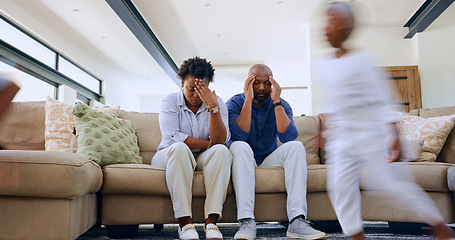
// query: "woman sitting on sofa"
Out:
[194,128]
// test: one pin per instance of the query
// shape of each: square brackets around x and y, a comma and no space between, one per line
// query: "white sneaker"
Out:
[188,232]
[301,228]
[247,229]
[212,232]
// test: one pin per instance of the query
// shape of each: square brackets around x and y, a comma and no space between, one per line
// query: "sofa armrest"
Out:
[451,178]
[47,174]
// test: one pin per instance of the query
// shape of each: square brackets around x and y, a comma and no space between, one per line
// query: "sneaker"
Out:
[301,228]
[212,232]
[188,232]
[247,229]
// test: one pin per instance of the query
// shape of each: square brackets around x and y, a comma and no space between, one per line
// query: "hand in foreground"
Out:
[248,88]
[395,151]
[206,95]
[395,146]
[276,90]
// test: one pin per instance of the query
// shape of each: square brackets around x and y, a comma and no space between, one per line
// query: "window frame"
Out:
[30,65]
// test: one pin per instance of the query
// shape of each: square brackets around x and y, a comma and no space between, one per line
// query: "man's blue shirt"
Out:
[263,134]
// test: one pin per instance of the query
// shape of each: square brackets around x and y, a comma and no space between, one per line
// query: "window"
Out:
[77,74]
[40,70]
[26,44]
[31,88]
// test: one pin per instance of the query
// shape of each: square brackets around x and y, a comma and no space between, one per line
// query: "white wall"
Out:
[437,64]
[134,95]
[386,43]
[432,51]
[230,80]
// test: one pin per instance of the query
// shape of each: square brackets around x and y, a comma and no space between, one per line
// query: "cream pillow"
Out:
[59,125]
[433,131]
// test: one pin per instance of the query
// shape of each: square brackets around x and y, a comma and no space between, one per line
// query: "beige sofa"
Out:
[43,195]
[60,187]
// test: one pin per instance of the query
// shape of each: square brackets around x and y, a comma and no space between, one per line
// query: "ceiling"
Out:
[233,34]
[448,14]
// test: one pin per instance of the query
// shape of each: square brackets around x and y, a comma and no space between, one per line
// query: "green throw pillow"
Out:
[105,139]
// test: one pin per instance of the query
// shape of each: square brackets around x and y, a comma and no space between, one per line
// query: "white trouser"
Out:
[355,155]
[291,156]
[179,162]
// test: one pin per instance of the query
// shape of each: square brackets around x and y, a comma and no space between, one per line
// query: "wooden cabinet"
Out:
[406,80]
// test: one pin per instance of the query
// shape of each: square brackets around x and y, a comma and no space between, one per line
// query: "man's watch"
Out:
[277,104]
[214,110]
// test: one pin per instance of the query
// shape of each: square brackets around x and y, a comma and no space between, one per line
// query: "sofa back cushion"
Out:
[447,153]
[148,129]
[308,128]
[22,127]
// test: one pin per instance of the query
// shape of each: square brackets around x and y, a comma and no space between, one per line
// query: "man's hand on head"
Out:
[248,88]
[276,90]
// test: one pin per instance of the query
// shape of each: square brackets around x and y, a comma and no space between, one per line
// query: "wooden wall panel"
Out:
[406,81]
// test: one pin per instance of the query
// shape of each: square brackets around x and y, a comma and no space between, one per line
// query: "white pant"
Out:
[179,162]
[351,153]
[291,156]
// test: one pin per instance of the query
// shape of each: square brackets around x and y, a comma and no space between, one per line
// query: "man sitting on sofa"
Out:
[256,117]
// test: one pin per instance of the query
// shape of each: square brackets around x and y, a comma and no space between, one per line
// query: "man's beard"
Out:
[263,100]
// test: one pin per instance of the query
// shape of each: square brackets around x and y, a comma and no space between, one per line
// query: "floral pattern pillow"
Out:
[59,125]
[433,131]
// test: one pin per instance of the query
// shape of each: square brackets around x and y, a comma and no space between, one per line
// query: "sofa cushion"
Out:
[143,179]
[429,175]
[59,125]
[105,139]
[447,153]
[271,180]
[436,112]
[451,178]
[410,150]
[22,126]
[433,131]
[47,174]
[414,112]
[308,128]
[148,129]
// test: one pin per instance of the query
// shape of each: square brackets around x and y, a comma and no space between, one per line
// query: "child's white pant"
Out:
[179,162]
[351,152]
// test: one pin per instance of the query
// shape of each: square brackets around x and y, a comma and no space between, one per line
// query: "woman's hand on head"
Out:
[207,96]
